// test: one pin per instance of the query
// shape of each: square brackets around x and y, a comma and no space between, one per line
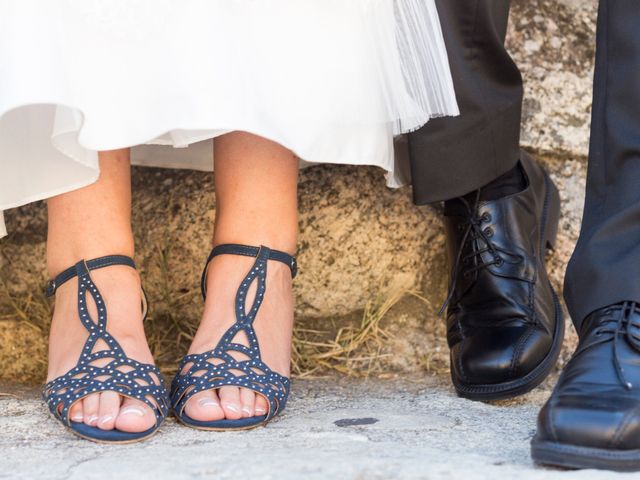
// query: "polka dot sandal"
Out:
[121,374]
[218,368]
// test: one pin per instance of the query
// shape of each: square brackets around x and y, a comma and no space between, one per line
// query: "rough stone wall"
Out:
[553,42]
[359,240]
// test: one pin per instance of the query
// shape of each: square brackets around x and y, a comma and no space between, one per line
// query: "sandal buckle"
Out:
[51,288]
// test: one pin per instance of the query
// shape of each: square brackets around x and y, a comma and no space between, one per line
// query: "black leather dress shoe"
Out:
[504,322]
[592,419]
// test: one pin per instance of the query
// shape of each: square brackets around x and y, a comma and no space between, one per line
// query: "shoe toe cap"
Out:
[591,422]
[492,356]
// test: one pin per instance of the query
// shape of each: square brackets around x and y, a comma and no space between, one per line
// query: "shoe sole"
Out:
[513,388]
[575,457]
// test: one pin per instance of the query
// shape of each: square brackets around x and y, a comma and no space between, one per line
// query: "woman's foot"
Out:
[273,326]
[119,286]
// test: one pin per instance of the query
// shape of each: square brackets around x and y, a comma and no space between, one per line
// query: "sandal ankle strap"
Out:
[79,267]
[247,251]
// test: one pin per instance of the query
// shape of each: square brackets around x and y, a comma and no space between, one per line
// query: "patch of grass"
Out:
[168,334]
[24,326]
[358,349]
[434,363]
[32,309]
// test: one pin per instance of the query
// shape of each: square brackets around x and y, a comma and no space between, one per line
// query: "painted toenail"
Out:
[105,419]
[232,407]
[93,419]
[77,417]
[246,410]
[260,410]
[134,410]
[208,402]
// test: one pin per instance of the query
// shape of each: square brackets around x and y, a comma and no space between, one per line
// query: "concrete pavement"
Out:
[334,428]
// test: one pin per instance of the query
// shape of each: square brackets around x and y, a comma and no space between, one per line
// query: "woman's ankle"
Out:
[59,258]
[274,241]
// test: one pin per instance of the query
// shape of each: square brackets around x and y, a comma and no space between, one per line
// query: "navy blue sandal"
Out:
[121,374]
[218,368]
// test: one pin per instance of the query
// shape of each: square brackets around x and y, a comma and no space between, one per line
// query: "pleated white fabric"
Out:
[333,80]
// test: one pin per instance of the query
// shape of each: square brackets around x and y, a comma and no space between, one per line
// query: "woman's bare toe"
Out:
[230,401]
[134,416]
[262,406]
[108,410]
[204,407]
[90,407]
[248,400]
[75,412]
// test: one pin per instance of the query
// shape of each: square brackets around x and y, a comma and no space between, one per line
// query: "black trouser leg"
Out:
[605,266]
[454,156]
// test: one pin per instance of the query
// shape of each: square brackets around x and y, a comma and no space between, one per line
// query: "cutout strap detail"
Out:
[215,368]
[121,374]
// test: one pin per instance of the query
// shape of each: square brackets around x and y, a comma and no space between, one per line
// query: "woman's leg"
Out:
[256,191]
[88,223]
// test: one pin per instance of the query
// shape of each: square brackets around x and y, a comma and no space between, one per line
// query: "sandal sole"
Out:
[111,442]
[206,428]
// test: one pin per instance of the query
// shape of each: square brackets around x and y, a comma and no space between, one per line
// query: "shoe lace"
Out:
[473,231]
[615,328]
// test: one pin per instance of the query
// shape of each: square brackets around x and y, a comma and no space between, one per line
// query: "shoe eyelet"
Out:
[499,261]
[488,232]
[486,217]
